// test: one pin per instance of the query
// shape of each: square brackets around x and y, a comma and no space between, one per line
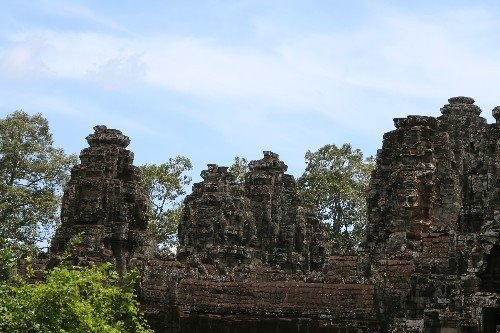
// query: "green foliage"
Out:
[239,168]
[32,174]
[336,181]
[166,184]
[83,300]
[7,260]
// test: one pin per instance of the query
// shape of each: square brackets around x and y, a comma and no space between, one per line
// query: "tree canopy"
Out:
[166,185]
[78,300]
[336,181]
[32,173]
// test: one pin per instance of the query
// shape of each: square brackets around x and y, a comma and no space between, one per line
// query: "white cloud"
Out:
[200,67]
[86,112]
[398,53]
[117,72]
[22,60]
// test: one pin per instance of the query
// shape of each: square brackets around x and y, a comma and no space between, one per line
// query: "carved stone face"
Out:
[90,206]
[411,198]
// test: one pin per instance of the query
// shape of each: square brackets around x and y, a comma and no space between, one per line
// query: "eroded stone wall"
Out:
[253,258]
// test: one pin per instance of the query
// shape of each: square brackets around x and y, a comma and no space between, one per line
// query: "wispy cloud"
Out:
[77,11]
[397,54]
[118,72]
[400,54]
[21,61]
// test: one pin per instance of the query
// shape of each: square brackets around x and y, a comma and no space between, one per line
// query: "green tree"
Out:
[7,261]
[32,173]
[239,168]
[81,300]
[166,185]
[336,181]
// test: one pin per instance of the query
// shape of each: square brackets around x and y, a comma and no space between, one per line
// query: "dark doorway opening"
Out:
[490,278]
[491,320]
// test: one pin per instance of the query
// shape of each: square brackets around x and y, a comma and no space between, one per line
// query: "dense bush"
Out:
[76,300]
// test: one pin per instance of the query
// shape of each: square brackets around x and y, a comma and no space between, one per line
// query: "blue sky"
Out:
[214,79]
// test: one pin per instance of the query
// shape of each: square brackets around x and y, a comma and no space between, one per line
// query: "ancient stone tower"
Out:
[227,223]
[104,203]
[433,233]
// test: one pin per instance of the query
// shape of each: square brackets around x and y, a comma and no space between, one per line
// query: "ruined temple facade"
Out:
[253,258]
[229,224]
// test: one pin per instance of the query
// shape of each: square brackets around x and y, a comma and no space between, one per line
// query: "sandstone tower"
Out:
[227,223]
[104,203]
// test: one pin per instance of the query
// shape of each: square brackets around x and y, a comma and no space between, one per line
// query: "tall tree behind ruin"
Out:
[166,184]
[336,181]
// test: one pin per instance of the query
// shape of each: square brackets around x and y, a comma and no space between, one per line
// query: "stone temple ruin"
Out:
[253,258]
